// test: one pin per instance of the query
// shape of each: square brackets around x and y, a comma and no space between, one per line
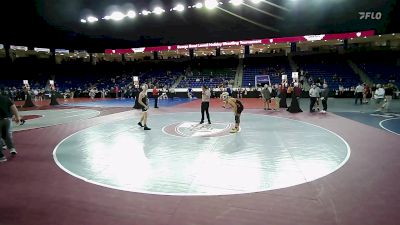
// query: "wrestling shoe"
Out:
[13,152]
[234,130]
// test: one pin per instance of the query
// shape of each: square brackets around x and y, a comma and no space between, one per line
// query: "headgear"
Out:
[224,96]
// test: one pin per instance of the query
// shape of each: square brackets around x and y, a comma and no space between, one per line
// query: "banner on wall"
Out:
[64,51]
[266,41]
[80,51]
[262,80]
[15,47]
[47,50]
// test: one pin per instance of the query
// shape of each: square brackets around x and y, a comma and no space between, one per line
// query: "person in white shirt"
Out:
[341,90]
[163,94]
[189,93]
[313,97]
[379,97]
[36,93]
[358,93]
[92,93]
[172,93]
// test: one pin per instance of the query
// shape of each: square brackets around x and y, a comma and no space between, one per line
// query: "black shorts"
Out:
[239,110]
[144,109]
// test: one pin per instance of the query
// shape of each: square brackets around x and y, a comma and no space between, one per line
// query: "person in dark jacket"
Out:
[283,93]
[7,110]
[294,105]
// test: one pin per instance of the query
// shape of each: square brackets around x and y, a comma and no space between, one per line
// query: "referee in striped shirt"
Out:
[205,103]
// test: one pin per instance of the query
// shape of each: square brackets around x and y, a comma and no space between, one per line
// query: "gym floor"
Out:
[88,162]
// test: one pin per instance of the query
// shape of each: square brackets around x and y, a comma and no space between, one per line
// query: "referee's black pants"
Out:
[204,108]
[155,101]
[313,100]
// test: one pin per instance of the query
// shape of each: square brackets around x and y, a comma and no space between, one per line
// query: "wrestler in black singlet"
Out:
[145,101]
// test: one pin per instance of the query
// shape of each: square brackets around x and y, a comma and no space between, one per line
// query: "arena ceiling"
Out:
[49,23]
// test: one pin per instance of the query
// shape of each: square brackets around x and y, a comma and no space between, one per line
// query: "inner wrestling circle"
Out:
[194,129]
[269,153]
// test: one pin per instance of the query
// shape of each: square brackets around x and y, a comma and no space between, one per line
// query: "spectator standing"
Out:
[266,96]
[155,96]
[7,109]
[366,93]
[294,105]
[388,96]
[116,89]
[324,98]
[379,97]
[313,97]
